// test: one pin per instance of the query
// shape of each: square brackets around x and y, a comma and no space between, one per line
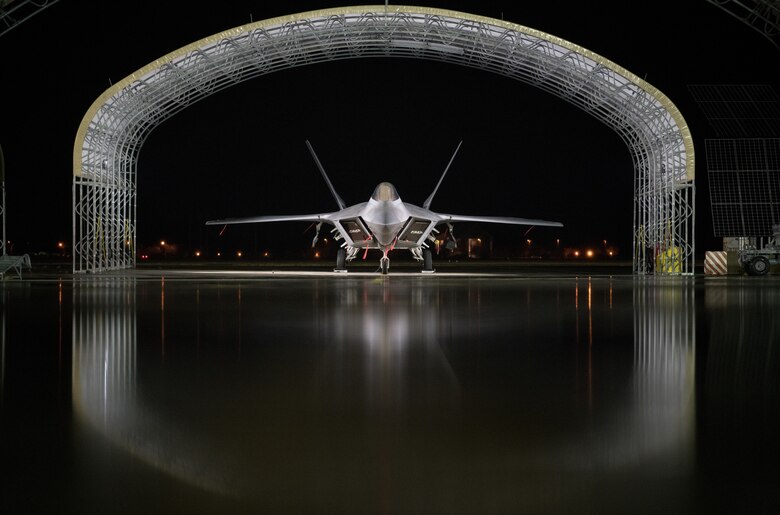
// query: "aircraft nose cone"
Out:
[385,220]
[385,192]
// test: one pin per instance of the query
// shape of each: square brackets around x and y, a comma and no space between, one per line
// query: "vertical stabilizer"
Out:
[428,201]
[339,200]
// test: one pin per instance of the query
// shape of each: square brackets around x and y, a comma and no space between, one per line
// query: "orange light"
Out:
[576,253]
[197,253]
[316,254]
[558,241]
[265,254]
[162,242]
[610,252]
[219,254]
[589,253]
[529,241]
[238,253]
[60,245]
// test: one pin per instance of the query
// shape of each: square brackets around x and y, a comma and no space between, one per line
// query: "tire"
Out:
[427,260]
[759,265]
[385,264]
[341,257]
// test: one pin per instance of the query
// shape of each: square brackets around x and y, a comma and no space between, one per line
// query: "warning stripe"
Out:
[715,262]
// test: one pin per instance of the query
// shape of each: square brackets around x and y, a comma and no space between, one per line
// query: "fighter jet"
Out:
[384,223]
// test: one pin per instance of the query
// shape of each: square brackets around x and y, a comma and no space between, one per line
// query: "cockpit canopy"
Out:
[385,192]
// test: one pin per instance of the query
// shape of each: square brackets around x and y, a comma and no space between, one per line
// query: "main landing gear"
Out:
[427,261]
[341,261]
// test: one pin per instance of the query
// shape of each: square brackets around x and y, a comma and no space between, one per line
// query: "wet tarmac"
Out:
[278,392]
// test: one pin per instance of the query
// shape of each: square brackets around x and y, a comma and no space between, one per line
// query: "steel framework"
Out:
[763,16]
[115,127]
[21,10]
[2,202]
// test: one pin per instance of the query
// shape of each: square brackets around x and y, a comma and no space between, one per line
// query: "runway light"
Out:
[219,254]
[589,253]
[197,253]
[576,253]
[265,254]
[162,243]
[610,252]
[60,245]
[238,253]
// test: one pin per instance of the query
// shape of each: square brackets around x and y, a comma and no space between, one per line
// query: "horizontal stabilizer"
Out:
[318,217]
[499,220]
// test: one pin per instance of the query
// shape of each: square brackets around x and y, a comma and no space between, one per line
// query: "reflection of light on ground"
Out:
[658,424]
[664,370]
[3,297]
[376,354]
[104,385]
[394,326]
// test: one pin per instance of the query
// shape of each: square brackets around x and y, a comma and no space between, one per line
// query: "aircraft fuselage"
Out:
[385,222]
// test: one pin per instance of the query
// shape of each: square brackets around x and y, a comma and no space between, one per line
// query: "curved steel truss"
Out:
[115,127]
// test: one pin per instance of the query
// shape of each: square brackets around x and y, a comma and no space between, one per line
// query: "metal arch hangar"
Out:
[115,127]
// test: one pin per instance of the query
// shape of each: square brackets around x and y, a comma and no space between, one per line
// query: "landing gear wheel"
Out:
[384,263]
[759,265]
[341,260]
[427,260]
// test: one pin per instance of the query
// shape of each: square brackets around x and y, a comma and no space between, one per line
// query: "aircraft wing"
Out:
[317,217]
[498,220]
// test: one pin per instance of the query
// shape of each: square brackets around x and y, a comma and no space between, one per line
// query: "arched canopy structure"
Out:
[115,127]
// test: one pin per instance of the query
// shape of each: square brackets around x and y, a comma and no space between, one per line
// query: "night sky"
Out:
[242,152]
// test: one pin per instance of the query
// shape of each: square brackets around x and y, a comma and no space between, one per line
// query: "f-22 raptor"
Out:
[385,223]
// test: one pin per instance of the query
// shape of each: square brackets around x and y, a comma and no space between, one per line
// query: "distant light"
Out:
[219,254]
[529,241]
[589,253]
[60,245]
[265,254]
[326,240]
[238,253]
[162,242]
[197,253]
[558,241]
[605,242]
[479,240]
[317,254]
[610,252]
[576,253]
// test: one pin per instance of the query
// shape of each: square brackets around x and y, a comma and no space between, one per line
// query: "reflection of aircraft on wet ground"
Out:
[384,223]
